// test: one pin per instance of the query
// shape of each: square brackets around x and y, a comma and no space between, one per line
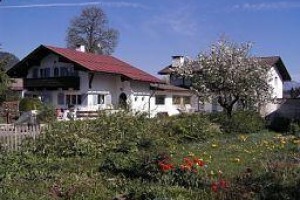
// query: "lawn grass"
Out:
[270,158]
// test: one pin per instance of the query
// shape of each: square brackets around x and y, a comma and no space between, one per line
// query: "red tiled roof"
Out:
[104,63]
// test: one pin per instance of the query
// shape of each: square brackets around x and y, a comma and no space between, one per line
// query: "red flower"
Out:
[214,187]
[165,166]
[185,168]
[199,162]
[188,162]
[223,184]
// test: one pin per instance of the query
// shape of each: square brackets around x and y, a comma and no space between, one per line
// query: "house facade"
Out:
[87,82]
[277,72]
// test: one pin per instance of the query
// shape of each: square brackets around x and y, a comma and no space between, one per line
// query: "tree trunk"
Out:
[228,107]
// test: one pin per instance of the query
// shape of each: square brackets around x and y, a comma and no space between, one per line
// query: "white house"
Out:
[88,82]
[277,71]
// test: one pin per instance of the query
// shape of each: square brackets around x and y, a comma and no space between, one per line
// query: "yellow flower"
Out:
[243,137]
[247,151]
[282,141]
[214,145]
[191,154]
[296,141]
[265,142]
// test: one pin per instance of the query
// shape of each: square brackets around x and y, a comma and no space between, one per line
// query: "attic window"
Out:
[56,72]
[276,81]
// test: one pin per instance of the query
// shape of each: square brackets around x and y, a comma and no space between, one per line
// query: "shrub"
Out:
[282,124]
[46,114]
[191,127]
[28,103]
[241,122]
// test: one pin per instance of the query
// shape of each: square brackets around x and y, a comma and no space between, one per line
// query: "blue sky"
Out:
[151,31]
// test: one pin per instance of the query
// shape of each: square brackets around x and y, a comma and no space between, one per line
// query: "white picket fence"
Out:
[11,136]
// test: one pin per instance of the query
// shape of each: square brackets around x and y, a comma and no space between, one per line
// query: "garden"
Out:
[195,156]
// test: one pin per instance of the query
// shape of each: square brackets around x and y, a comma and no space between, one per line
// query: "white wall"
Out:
[276,84]
[169,107]
[139,96]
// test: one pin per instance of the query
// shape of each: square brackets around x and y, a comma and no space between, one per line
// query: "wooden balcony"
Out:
[52,83]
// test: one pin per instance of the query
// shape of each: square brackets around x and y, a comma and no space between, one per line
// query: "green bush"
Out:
[46,114]
[283,124]
[240,122]
[192,127]
[28,103]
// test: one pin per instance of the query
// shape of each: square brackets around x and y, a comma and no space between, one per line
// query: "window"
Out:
[78,99]
[176,100]
[41,73]
[56,72]
[100,99]
[276,81]
[61,99]
[160,100]
[73,99]
[214,104]
[64,71]
[35,73]
[186,100]
[45,72]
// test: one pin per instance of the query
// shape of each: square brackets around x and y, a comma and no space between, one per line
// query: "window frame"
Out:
[159,101]
[178,98]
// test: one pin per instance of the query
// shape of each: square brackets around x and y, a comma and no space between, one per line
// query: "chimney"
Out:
[177,61]
[80,48]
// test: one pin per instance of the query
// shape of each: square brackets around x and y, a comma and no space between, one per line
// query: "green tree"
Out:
[229,73]
[91,30]
[4,78]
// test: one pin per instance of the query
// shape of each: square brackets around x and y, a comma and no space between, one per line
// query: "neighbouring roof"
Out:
[274,61]
[165,71]
[168,87]
[88,61]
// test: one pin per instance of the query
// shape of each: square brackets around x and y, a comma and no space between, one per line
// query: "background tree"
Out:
[4,78]
[8,59]
[91,30]
[229,73]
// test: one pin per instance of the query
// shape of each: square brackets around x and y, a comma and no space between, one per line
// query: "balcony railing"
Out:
[53,83]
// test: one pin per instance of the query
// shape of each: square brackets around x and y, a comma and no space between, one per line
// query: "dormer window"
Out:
[63,71]
[44,73]
[35,73]
[56,72]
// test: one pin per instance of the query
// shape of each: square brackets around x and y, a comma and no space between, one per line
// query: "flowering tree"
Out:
[229,73]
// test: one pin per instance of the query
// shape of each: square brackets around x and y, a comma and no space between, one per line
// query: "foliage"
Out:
[46,114]
[283,124]
[240,122]
[5,80]
[228,73]
[29,103]
[91,30]
[123,157]
[10,59]
[294,92]
[192,127]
